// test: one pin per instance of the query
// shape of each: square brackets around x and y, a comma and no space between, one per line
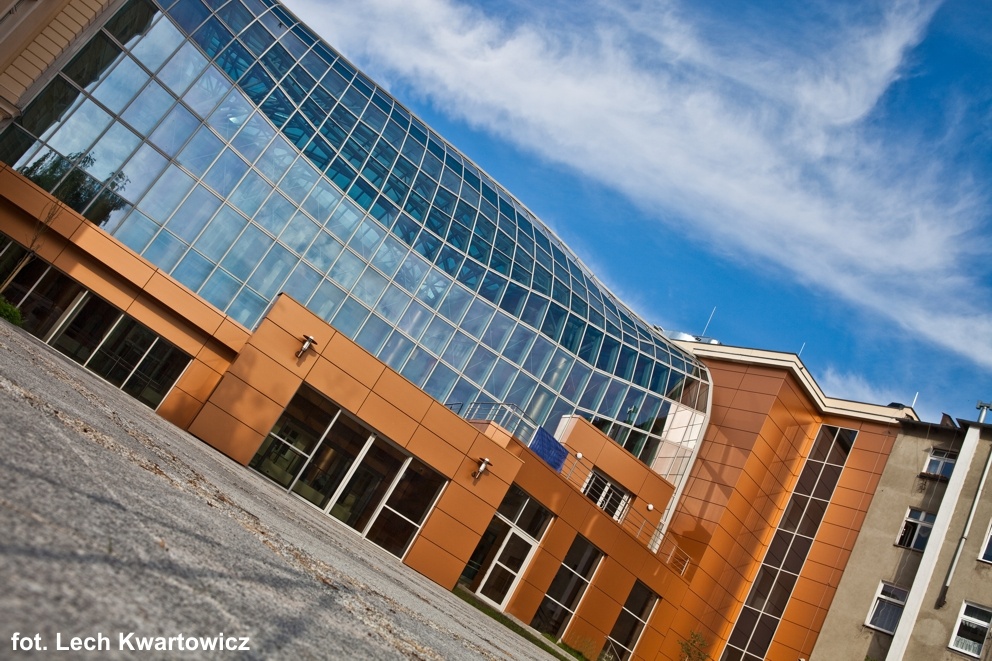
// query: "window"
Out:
[607,494]
[887,608]
[916,529]
[567,588]
[631,621]
[939,464]
[971,629]
[506,547]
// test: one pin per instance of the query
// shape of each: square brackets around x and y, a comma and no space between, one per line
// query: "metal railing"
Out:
[580,474]
[508,416]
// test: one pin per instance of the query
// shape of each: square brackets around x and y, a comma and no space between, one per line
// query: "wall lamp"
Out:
[309,342]
[484,463]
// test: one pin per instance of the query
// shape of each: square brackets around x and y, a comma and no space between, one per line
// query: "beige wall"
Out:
[972,579]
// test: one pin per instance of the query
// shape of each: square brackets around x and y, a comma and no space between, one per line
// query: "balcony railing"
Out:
[508,416]
[580,474]
[613,499]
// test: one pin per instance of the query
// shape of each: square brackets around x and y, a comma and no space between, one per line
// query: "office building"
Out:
[206,205]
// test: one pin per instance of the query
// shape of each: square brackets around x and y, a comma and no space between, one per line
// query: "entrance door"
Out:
[502,574]
[368,485]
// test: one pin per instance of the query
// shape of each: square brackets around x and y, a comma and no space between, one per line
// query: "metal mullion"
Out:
[359,458]
[103,340]
[34,286]
[309,457]
[81,298]
[138,363]
[385,497]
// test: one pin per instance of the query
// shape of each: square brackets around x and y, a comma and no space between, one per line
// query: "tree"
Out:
[693,648]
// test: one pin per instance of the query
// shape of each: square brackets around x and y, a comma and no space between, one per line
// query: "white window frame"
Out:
[613,498]
[940,458]
[922,520]
[963,618]
[886,593]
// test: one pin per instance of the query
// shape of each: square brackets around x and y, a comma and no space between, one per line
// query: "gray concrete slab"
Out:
[113,521]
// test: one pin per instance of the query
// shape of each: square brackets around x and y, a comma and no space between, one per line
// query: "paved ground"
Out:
[112,521]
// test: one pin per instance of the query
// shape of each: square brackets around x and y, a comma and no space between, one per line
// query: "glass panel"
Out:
[92,61]
[121,352]
[207,92]
[272,271]
[277,461]
[121,85]
[416,492]
[392,532]
[145,111]
[498,584]
[247,252]
[192,216]
[46,303]
[368,485]
[183,69]
[331,461]
[79,132]
[157,373]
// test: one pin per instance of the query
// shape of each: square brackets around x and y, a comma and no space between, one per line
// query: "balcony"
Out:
[607,494]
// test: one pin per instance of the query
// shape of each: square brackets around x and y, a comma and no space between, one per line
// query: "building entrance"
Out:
[506,547]
[323,455]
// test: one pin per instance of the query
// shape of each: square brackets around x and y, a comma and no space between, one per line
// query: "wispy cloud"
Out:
[761,145]
[855,387]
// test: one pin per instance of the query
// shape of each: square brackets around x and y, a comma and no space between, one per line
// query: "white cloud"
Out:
[758,146]
[855,387]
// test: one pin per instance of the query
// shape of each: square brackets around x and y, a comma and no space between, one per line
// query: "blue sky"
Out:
[818,172]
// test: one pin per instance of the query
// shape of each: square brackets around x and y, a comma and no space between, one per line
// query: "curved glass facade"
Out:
[227,144]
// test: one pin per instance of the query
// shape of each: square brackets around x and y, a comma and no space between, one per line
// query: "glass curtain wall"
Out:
[231,147]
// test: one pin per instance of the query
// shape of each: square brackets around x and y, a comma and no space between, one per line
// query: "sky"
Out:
[816,175]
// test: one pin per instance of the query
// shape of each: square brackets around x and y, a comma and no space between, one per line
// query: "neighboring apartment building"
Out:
[919,585]
[264,246]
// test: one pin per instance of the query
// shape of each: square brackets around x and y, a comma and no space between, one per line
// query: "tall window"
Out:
[772,588]
[567,588]
[507,546]
[916,529]
[887,607]
[971,629]
[631,621]
[939,464]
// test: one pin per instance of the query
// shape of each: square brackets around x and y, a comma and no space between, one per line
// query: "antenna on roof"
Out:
[703,334]
[801,349]
[913,405]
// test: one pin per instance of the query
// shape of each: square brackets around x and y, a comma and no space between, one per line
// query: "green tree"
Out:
[693,649]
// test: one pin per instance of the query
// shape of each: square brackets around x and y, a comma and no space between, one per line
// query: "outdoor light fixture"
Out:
[308,343]
[650,507]
[484,463]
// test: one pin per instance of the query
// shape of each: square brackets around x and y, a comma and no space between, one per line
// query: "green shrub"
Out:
[9,312]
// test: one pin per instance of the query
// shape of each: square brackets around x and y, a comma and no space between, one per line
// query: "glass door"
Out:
[502,575]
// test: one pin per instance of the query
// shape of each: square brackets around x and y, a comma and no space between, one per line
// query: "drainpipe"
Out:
[928,563]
